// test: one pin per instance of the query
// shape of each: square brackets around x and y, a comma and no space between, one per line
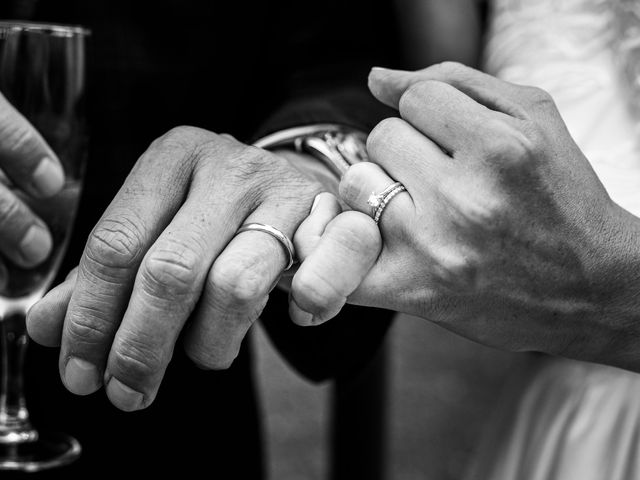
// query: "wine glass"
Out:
[42,73]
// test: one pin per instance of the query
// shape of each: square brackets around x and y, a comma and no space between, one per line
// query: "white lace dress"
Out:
[573,420]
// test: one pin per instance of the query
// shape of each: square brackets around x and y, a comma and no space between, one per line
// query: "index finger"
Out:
[25,156]
[388,86]
[452,119]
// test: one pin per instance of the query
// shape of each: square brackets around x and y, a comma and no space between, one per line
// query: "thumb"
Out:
[46,317]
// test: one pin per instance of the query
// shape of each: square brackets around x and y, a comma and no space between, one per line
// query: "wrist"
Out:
[615,277]
[322,151]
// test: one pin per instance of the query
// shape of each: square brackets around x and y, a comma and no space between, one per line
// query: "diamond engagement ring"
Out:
[379,201]
[275,233]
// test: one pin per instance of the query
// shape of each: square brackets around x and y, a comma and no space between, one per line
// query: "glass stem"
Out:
[15,426]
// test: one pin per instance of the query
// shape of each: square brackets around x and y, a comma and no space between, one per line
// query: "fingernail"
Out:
[380,72]
[123,397]
[315,203]
[81,377]
[36,244]
[48,177]
[298,315]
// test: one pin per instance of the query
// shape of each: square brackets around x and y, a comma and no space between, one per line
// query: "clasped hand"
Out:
[504,235]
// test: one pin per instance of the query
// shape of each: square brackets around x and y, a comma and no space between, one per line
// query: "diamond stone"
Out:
[374,200]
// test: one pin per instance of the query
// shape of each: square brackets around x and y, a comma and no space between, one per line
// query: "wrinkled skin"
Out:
[165,251]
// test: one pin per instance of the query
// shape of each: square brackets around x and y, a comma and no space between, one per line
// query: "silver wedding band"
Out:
[275,233]
[379,201]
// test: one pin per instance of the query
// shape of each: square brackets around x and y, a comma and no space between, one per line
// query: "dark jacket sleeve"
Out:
[329,85]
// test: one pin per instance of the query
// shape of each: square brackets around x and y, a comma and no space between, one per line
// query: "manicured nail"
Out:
[36,244]
[123,397]
[81,377]
[298,315]
[48,177]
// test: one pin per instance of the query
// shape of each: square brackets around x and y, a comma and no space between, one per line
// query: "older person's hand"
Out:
[28,169]
[504,234]
[167,250]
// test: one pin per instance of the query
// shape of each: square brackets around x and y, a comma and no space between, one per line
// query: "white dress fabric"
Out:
[573,420]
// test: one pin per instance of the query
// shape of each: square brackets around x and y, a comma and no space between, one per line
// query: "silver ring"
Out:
[378,202]
[275,233]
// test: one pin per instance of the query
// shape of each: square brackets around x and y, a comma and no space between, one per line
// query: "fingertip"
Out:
[325,208]
[298,315]
[387,85]
[36,245]
[327,201]
[48,177]
[124,397]
[81,377]
[209,354]
[314,299]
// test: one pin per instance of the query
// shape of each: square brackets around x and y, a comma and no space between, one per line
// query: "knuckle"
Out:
[236,283]
[88,326]
[537,97]
[11,208]
[176,149]
[136,361]
[16,135]
[414,95]
[247,169]
[379,137]
[487,214]
[451,67]
[115,243]
[170,272]
[210,359]
[507,146]
[254,164]
[534,138]
[180,136]
[455,272]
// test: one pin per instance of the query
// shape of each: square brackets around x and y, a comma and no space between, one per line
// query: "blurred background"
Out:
[441,391]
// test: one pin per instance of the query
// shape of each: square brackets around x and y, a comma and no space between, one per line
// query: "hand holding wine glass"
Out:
[33,169]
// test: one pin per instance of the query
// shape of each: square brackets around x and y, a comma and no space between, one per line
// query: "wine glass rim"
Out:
[58,29]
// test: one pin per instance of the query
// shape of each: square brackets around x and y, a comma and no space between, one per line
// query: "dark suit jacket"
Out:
[230,66]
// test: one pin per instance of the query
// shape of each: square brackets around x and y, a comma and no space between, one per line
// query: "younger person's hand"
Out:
[504,234]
